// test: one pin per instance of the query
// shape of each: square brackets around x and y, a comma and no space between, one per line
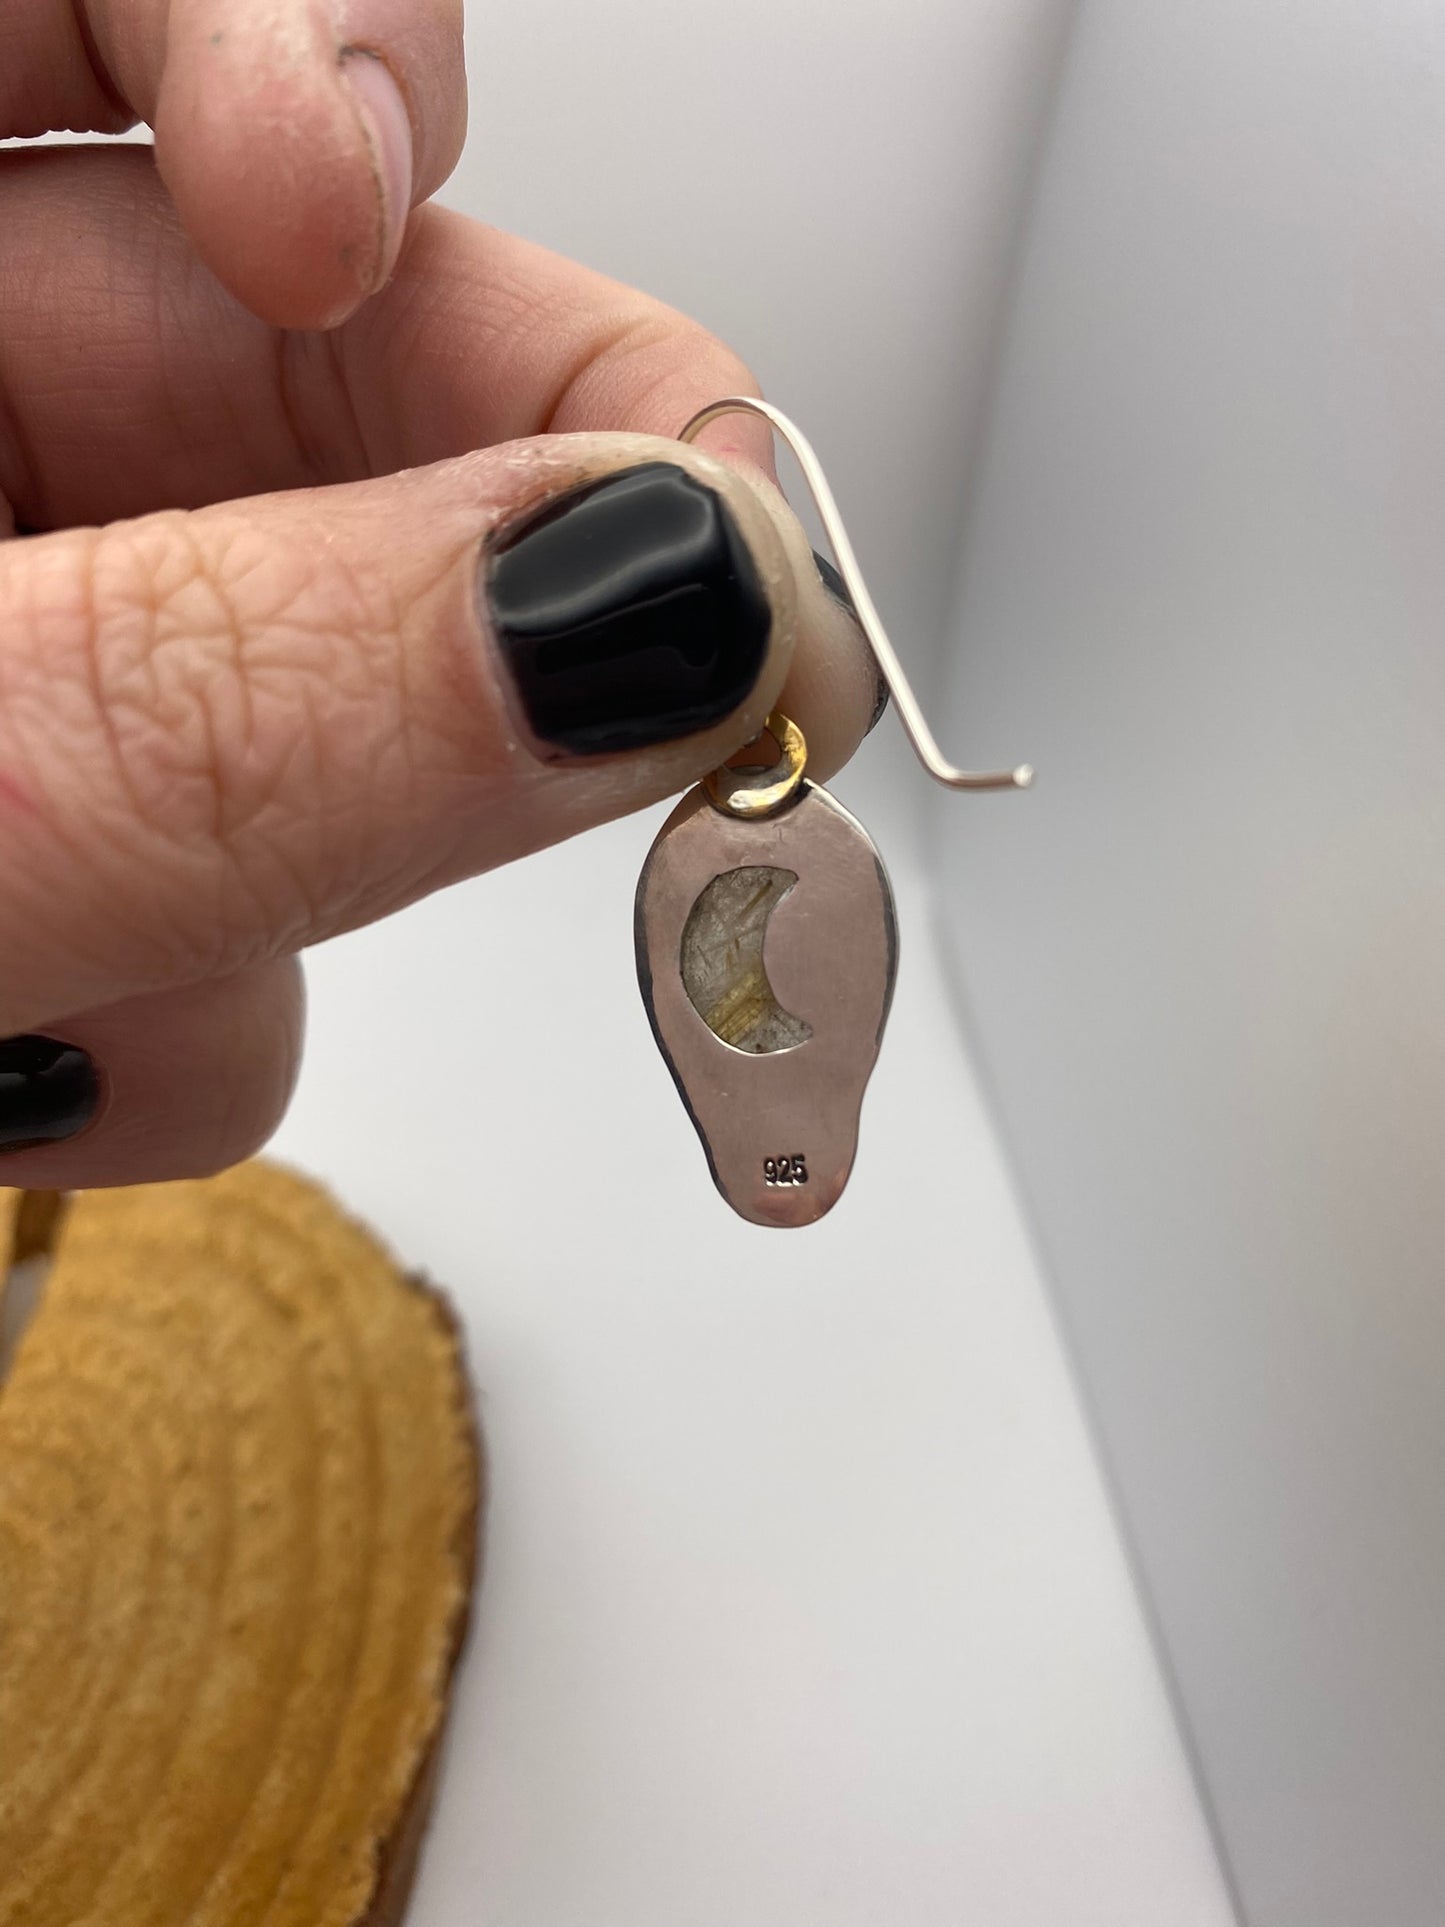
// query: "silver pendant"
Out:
[766,942]
[766,952]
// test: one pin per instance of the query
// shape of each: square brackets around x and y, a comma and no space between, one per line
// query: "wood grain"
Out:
[239,1493]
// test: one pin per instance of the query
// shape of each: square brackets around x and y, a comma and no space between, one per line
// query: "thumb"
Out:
[227,734]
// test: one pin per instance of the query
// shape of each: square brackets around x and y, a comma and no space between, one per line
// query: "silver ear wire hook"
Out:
[910,714]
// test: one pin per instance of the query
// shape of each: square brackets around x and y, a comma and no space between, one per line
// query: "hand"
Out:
[301,689]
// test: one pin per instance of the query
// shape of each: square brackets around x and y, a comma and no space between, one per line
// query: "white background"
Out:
[1203,585]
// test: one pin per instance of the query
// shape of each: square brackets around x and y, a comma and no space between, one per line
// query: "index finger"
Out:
[293,135]
[129,383]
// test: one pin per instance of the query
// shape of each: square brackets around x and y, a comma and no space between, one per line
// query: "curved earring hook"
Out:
[910,715]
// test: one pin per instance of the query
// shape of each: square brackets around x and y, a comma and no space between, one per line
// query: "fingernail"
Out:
[838,589]
[48,1091]
[627,612]
[388,133]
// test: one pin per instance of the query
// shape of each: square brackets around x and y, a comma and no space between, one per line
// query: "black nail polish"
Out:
[628,611]
[838,589]
[48,1091]
[834,583]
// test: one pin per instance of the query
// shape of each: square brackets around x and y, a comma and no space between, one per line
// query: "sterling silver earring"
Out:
[766,941]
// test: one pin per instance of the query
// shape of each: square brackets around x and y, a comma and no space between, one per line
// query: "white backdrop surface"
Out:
[1203,584]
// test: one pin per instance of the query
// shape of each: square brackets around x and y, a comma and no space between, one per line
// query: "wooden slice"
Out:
[239,1488]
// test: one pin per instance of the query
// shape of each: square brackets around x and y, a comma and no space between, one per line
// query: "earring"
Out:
[766,941]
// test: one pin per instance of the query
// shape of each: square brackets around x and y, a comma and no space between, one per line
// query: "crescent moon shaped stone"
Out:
[777,933]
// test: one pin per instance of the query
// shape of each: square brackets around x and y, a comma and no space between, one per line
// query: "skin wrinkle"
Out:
[632,334]
[272,627]
[262,787]
[183,285]
[255,921]
[18,471]
[608,371]
[139,717]
[91,103]
[175,307]
[303,851]
[388,334]
[275,425]
[124,288]
[167,730]
[229,632]
[91,940]
[33,704]
[121,114]
[243,783]
[406,709]
[174,574]
[323,453]
[357,461]
[248,842]
[502,335]
[94,677]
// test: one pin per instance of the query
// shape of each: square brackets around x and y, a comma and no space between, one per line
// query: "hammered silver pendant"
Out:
[766,952]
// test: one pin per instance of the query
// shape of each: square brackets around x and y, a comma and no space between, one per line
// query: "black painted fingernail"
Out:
[48,1091]
[834,583]
[838,589]
[628,611]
